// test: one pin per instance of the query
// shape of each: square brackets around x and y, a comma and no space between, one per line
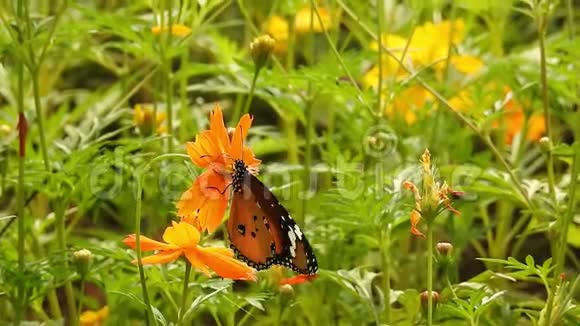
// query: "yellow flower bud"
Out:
[83,259]
[261,48]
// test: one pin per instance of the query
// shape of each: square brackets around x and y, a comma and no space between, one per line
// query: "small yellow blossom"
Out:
[462,101]
[466,64]
[408,102]
[175,29]
[146,122]
[305,17]
[277,28]
[94,318]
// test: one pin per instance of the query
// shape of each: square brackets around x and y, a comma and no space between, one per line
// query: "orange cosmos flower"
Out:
[433,199]
[181,239]
[205,202]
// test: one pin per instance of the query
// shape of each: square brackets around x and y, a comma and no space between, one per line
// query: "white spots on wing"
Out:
[258,204]
[283,218]
[298,231]
[292,237]
[289,216]
[272,204]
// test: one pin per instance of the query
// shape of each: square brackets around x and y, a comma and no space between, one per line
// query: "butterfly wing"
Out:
[291,248]
[248,231]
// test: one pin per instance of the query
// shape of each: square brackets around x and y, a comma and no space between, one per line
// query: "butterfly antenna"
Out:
[242,143]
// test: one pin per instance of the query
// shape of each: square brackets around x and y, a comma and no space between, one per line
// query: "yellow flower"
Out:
[94,318]
[466,64]
[175,29]
[433,198]
[302,20]
[390,67]
[146,122]
[182,239]
[407,103]
[431,42]
[462,101]
[277,27]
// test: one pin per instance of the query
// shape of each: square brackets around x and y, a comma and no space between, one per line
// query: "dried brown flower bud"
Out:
[444,248]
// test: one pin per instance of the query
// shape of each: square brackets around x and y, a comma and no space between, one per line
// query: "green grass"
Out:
[79,171]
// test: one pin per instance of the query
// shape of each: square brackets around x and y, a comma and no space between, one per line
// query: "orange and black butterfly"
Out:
[262,232]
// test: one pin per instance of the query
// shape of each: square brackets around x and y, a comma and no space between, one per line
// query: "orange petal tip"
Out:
[298,279]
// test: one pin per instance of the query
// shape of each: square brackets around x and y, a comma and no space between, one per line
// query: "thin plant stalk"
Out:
[169,77]
[386,268]
[80,299]
[139,193]
[430,274]
[22,131]
[33,70]
[381,13]
[184,292]
[138,208]
[309,127]
[61,241]
[341,61]
[250,96]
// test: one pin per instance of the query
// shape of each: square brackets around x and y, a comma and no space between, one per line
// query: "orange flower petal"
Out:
[220,260]
[219,130]
[239,136]
[181,234]
[192,257]
[298,279]
[161,258]
[205,201]
[536,127]
[204,150]
[415,219]
[147,244]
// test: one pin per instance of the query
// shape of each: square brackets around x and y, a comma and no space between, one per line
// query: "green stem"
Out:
[430,274]
[381,13]
[545,102]
[289,125]
[385,265]
[61,240]
[81,298]
[149,316]
[307,153]
[138,205]
[570,14]
[184,292]
[39,119]
[20,190]
[169,78]
[340,60]
[250,94]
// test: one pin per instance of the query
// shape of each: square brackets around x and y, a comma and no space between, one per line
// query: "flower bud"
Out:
[545,144]
[425,298]
[286,290]
[83,259]
[261,48]
[444,248]
[5,129]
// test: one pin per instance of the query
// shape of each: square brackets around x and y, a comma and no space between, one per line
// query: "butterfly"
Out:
[262,233]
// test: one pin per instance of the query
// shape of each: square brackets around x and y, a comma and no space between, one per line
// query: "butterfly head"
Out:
[239,174]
